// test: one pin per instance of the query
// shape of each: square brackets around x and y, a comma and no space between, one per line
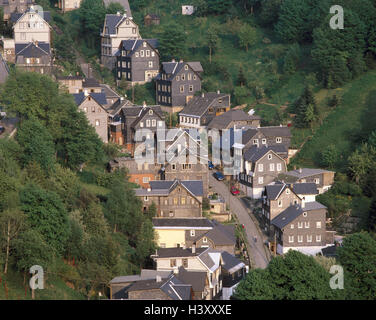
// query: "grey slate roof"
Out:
[305,188]
[220,234]
[133,45]
[231,263]
[98,97]
[173,68]
[198,105]
[222,121]
[90,83]
[183,222]
[256,153]
[195,278]
[165,187]
[178,252]
[31,50]
[15,16]
[124,3]
[273,191]
[277,131]
[305,172]
[146,274]
[4,70]
[292,212]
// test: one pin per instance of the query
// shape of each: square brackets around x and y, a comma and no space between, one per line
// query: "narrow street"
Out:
[237,207]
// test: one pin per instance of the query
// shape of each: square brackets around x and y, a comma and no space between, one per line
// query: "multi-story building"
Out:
[73,84]
[14,6]
[137,61]
[177,83]
[117,27]
[34,57]
[200,110]
[69,5]
[8,50]
[234,118]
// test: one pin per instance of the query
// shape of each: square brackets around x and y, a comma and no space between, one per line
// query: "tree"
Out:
[114,8]
[291,59]
[357,256]
[218,6]
[329,156]
[372,217]
[46,214]
[241,81]
[213,40]
[247,36]
[172,42]
[37,144]
[270,12]
[306,109]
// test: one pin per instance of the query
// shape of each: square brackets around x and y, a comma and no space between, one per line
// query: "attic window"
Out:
[186,67]
[205,240]
[192,233]
[150,112]
[304,214]
[220,100]
[144,44]
[287,191]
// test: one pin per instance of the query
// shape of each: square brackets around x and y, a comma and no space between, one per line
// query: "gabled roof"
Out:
[211,259]
[100,98]
[198,105]
[273,191]
[222,121]
[294,211]
[133,45]
[195,278]
[124,3]
[277,131]
[306,172]
[255,153]
[15,16]
[231,263]
[173,68]
[137,112]
[305,188]
[32,50]
[145,275]
[90,83]
[220,234]
[179,252]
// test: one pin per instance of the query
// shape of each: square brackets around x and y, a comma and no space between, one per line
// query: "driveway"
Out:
[237,207]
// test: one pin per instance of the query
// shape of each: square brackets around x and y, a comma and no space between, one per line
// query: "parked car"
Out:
[219,176]
[210,165]
[234,191]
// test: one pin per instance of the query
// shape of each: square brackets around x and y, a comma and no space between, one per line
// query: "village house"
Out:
[31,26]
[68,5]
[117,27]
[14,6]
[137,61]
[201,232]
[262,165]
[177,83]
[302,227]
[174,198]
[92,104]
[201,109]
[8,49]
[34,57]
[73,84]
[151,19]
[322,178]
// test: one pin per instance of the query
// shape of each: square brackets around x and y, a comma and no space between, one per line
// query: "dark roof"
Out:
[305,188]
[165,187]
[221,234]
[15,16]
[305,172]
[146,274]
[70,77]
[90,83]
[273,191]
[294,211]
[195,278]
[182,222]
[109,92]
[198,105]
[124,3]
[277,131]
[330,251]
[4,70]
[98,97]
[133,45]
[255,153]
[231,263]
[178,252]
[172,68]
[139,111]
[32,50]
[222,121]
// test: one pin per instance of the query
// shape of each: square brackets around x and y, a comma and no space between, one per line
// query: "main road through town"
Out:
[259,255]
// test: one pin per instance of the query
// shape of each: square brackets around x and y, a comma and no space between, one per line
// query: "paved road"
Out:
[237,207]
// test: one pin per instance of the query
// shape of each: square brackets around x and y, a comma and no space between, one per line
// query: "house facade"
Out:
[117,27]
[34,57]
[69,5]
[234,118]
[73,84]
[176,198]
[262,165]
[13,6]
[177,84]
[8,50]
[200,110]
[137,61]
[302,228]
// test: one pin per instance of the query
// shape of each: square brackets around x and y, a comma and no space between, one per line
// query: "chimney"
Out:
[181,60]
[300,170]
[218,91]
[86,93]
[121,98]
[303,203]
[118,13]
[173,60]
[158,278]
[36,43]
[203,94]
[193,248]
[144,104]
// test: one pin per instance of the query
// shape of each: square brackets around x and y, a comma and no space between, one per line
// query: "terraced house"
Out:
[137,61]
[177,83]
[117,27]
[176,198]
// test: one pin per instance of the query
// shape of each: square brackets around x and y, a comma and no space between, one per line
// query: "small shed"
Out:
[187,10]
[152,19]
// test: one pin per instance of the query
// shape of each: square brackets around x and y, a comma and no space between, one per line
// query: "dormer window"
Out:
[304,214]
[186,67]
[279,140]
[150,112]
[144,44]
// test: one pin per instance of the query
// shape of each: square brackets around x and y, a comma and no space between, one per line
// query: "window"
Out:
[148,123]
[173,263]
[205,240]
[150,112]
[279,167]
[317,180]
[181,88]
[318,224]
[152,53]
[292,226]
[150,64]
[141,124]
[189,76]
[185,262]
[260,167]
[183,77]
[191,88]
[287,191]
[291,239]
[183,200]
[186,67]
[137,54]
[300,225]
[193,233]
[263,141]
[153,123]
[278,140]
[142,53]
[85,109]
[97,123]
[133,30]
[175,201]
[270,157]
[146,198]
[173,166]
[194,77]
[306,224]
[309,238]
[318,238]
[300,238]
[171,213]
[261,180]
[280,203]
[304,214]
[144,44]
[177,78]
[160,123]
[255,141]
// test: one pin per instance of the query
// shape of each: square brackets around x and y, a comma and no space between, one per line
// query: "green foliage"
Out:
[114,8]
[305,109]
[358,256]
[247,36]
[329,156]
[172,42]
[291,59]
